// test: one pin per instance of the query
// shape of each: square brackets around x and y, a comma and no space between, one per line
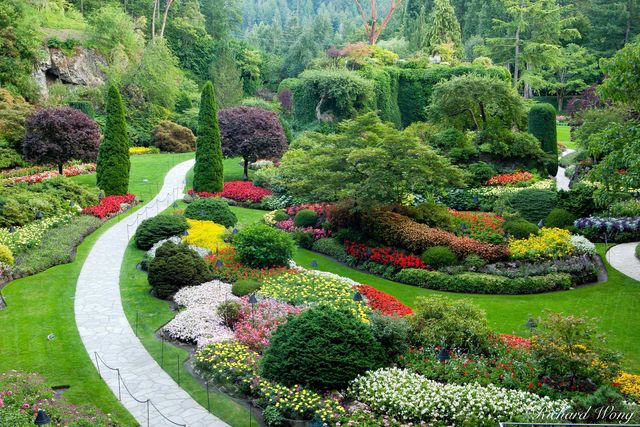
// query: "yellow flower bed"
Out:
[629,385]
[551,243]
[307,288]
[143,150]
[206,234]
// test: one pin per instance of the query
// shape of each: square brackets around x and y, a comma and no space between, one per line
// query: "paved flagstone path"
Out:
[622,257]
[562,181]
[104,328]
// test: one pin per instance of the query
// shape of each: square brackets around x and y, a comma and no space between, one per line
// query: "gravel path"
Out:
[622,257]
[562,182]
[105,331]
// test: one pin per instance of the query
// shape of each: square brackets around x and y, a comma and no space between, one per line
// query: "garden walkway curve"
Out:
[622,257]
[562,181]
[104,328]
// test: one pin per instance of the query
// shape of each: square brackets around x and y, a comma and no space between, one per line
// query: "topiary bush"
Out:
[532,204]
[560,218]
[542,125]
[174,267]
[152,230]
[305,218]
[520,228]
[173,138]
[6,256]
[280,215]
[432,214]
[439,256]
[579,201]
[260,246]
[245,287]
[211,209]
[323,348]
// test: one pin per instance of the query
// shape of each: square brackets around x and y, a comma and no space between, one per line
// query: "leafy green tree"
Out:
[444,28]
[366,160]
[542,125]
[612,23]
[113,165]
[226,78]
[622,83]
[208,173]
[113,33]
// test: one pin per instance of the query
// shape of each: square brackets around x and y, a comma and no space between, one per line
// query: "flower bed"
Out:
[629,385]
[610,229]
[319,208]
[384,256]
[482,226]
[240,191]
[231,269]
[75,170]
[135,151]
[515,341]
[109,205]
[205,234]
[551,243]
[31,235]
[510,178]
[307,288]
[384,303]
[317,233]
[412,397]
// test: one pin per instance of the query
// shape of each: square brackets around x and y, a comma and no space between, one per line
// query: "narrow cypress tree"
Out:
[444,27]
[112,169]
[542,125]
[207,173]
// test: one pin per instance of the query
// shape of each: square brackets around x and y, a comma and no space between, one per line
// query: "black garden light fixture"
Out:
[175,205]
[541,223]
[357,297]
[314,263]
[71,204]
[42,418]
[12,229]
[531,323]
[39,214]
[443,355]
[185,233]
[235,231]
[101,195]
[219,263]
[463,227]
[252,299]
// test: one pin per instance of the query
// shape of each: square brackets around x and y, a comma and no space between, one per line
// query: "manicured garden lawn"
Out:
[564,136]
[232,171]
[43,304]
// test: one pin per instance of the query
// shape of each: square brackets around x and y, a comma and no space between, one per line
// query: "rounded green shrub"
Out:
[245,287]
[6,256]
[305,218]
[261,246]
[152,230]
[560,218]
[520,228]
[323,348]
[532,204]
[432,214]
[474,261]
[481,172]
[229,312]
[579,201]
[542,125]
[280,215]
[174,267]
[439,256]
[211,209]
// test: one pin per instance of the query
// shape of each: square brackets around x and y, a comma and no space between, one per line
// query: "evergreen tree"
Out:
[113,165]
[444,28]
[207,172]
[227,78]
[542,125]
[419,33]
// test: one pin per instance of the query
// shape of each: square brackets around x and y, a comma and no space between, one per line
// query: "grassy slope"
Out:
[43,304]
[564,136]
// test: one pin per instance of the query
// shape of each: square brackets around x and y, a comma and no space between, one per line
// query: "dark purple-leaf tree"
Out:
[57,135]
[251,133]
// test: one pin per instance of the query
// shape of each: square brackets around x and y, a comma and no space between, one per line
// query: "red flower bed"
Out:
[385,303]
[515,341]
[240,191]
[109,205]
[41,176]
[385,256]
[510,178]
[232,269]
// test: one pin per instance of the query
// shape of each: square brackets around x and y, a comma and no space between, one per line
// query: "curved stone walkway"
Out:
[104,328]
[562,181]
[622,257]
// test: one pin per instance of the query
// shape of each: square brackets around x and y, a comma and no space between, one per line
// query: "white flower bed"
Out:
[199,322]
[583,245]
[412,397]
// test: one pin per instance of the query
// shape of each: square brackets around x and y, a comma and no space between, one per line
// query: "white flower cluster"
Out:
[151,253]
[498,191]
[411,397]
[199,322]
[583,245]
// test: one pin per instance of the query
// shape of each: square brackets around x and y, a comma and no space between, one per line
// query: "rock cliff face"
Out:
[83,67]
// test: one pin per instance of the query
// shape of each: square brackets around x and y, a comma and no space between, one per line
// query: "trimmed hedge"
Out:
[532,204]
[439,256]
[560,218]
[260,246]
[305,218]
[520,228]
[211,209]
[160,227]
[397,230]
[174,267]
[542,125]
[480,283]
[245,287]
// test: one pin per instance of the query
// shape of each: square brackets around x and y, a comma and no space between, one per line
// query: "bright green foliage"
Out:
[532,204]
[245,287]
[392,332]
[211,209]
[113,33]
[444,28]
[559,218]
[160,227]
[579,201]
[113,163]
[208,172]
[305,218]
[174,267]
[439,256]
[623,80]
[261,246]
[6,257]
[520,228]
[542,125]
[226,78]
[322,348]
[385,81]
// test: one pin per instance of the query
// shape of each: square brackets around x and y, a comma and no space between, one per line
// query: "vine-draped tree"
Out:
[208,171]
[57,135]
[251,133]
[113,165]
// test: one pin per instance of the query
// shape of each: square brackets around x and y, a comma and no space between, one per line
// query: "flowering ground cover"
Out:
[75,170]
[510,178]
[551,243]
[383,302]
[255,324]
[288,225]
[143,150]
[30,235]
[109,205]
[227,266]
[483,226]
[205,234]
[240,191]
[384,256]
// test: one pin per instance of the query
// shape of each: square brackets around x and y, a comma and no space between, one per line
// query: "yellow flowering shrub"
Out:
[206,234]
[629,385]
[551,243]
[308,288]
[6,256]
[143,150]
[228,361]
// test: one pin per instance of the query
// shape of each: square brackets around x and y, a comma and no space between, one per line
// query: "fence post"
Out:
[162,351]
[178,360]
[95,353]
[119,391]
[148,415]
[208,400]
[137,323]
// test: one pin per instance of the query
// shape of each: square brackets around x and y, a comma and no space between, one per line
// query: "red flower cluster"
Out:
[41,176]
[109,205]
[385,303]
[240,191]
[515,341]
[479,221]
[385,256]
[319,208]
[232,269]
[510,178]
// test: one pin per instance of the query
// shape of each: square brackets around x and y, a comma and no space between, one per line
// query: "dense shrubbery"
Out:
[152,230]
[542,125]
[174,267]
[211,209]
[560,218]
[532,204]
[305,218]
[173,138]
[550,243]
[439,256]
[520,228]
[323,348]
[261,246]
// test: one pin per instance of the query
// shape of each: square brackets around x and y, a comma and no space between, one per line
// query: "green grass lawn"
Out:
[564,136]
[233,171]
[43,304]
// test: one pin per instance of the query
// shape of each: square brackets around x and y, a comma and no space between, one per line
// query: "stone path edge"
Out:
[622,257]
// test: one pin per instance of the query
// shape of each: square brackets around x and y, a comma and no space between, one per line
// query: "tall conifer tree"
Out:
[444,28]
[113,165]
[208,173]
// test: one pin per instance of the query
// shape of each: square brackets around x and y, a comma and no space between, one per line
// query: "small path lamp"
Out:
[357,297]
[253,301]
[42,418]
[531,324]
[443,355]
[314,263]
[39,214]
[541,223]
[219,263]
[101,196]
[12,229]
